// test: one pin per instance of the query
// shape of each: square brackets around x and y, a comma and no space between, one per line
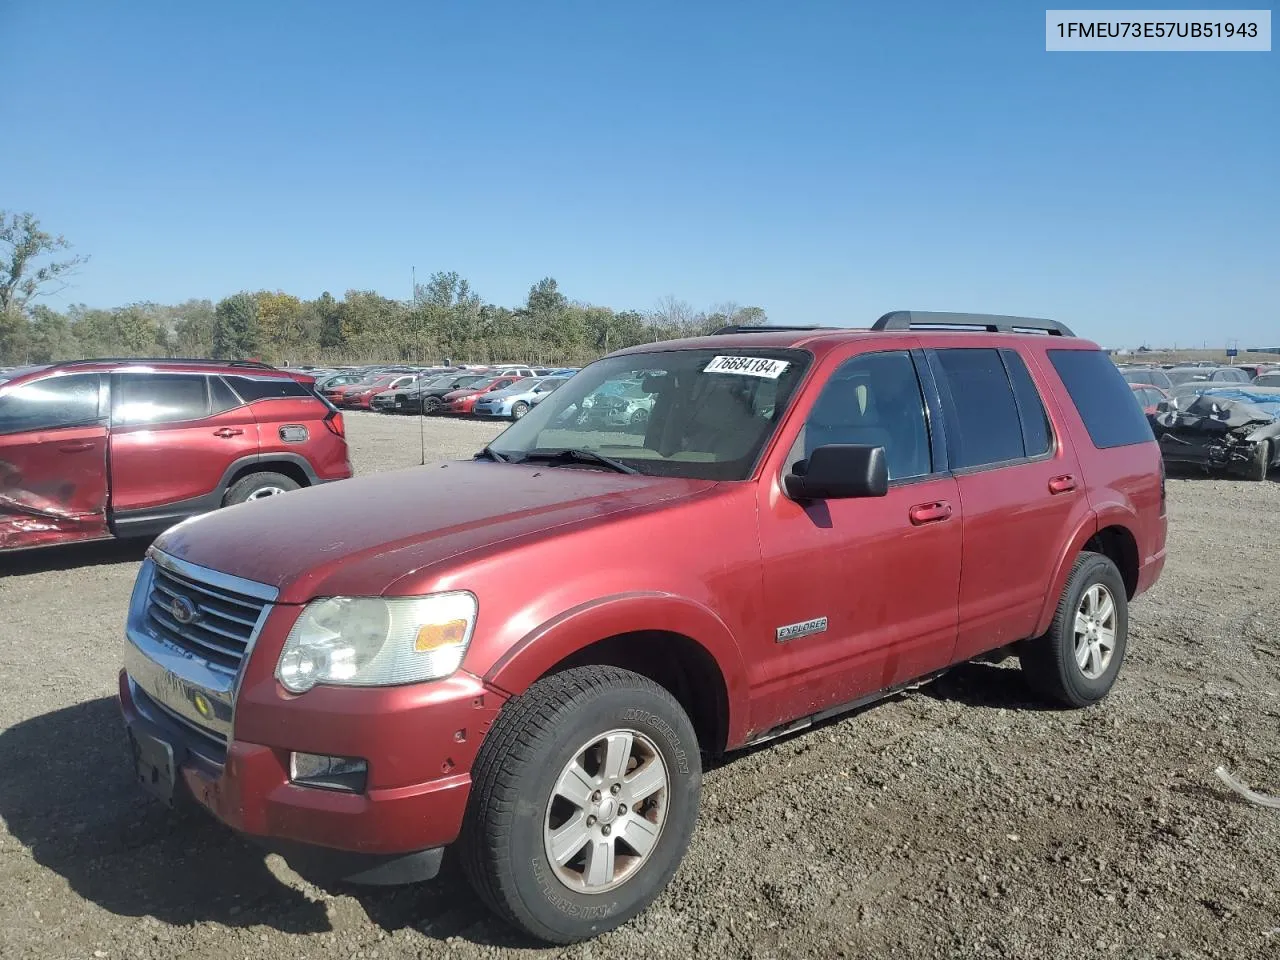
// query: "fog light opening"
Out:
[319,770]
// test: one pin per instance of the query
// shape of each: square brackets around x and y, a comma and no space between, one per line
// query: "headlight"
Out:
[376,641]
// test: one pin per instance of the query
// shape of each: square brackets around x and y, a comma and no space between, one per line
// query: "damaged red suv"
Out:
[524,657]
[95,449]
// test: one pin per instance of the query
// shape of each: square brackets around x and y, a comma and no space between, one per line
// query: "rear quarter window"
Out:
[267,388]
[1102,397]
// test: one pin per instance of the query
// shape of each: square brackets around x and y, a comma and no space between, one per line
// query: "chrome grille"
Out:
[221,627]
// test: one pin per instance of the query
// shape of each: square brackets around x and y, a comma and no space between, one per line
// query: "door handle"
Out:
[930,512]
[227,432]
[1064,484]
[78,447]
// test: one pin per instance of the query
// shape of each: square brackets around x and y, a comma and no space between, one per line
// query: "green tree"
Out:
[193,329]
[50,337]
[281,320]
[328,319]
[22,244]
[235,327]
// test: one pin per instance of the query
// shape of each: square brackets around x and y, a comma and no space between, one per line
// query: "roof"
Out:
[952,329]
[242,368]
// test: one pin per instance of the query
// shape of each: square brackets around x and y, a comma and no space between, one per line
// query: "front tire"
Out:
[519,409]
[584,797]
[1076,662]
[258,486]
[1260,465]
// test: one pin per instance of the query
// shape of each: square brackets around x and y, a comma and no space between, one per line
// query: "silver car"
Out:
[514,401]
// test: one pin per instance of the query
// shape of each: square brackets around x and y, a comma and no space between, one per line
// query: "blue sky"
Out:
[827,161]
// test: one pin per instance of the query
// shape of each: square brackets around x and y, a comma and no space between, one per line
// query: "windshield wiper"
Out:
[577,455]
[491,454]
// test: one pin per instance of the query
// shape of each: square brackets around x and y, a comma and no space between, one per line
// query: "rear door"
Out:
[862,592]
[174,436]
[1020,486]
[53,461]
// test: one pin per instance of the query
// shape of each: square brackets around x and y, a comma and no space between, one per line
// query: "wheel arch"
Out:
[680,645]
[291,465]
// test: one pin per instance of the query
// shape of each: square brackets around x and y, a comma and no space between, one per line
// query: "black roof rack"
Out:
[766,328]
[256,364]
[991,323]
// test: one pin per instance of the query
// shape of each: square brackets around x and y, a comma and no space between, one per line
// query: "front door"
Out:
[53,462]
[863,591]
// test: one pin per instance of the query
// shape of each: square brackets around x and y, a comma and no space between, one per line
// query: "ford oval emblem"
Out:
[183,610]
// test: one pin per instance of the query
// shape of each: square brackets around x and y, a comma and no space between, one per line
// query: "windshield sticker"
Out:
[748,366]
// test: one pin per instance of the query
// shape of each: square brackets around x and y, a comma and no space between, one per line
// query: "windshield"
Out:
[1267,380]
[1186,375]
[520,386]
[1156,378]
[679,413]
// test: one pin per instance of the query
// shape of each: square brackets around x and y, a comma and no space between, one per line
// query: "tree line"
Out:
[445,318]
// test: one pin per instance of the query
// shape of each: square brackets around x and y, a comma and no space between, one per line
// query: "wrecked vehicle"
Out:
[1222,429]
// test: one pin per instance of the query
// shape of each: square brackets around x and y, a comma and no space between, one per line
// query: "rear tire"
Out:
[258,486]
[1076,662]
[528,799]
[431,405]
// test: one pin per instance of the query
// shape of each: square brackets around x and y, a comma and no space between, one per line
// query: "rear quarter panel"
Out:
[324,450]
[1123,485]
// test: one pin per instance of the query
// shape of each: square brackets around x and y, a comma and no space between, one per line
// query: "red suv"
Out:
[527,655]
[101,448]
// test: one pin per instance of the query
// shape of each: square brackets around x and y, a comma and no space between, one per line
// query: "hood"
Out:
[459,394]
[1264,399]
[358,537]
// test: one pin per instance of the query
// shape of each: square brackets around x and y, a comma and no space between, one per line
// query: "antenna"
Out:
[422,425]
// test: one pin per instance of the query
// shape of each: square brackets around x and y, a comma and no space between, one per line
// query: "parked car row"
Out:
[508,392]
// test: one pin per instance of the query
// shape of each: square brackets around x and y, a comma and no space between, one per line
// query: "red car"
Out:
[1148,396]
[127,448]
[464,401]
[360,395]
[526,655]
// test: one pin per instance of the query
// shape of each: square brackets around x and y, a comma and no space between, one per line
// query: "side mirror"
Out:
[839,471]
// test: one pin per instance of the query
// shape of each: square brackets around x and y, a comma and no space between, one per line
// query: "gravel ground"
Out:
[958,820]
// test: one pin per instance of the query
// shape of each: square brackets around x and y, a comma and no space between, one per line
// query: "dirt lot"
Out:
[959,820]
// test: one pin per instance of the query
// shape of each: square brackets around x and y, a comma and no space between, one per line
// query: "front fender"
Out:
[579,627]
[1269,431]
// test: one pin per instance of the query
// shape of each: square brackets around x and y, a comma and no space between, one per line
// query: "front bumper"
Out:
[243,786]
[1207,451]
[226,740]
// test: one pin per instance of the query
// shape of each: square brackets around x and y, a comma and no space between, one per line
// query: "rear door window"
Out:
[50,404]
[223,397]
[158,398]
[983,426]
[1036,432]
[1102,397]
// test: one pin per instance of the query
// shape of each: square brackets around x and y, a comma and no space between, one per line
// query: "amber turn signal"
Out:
[433,636]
